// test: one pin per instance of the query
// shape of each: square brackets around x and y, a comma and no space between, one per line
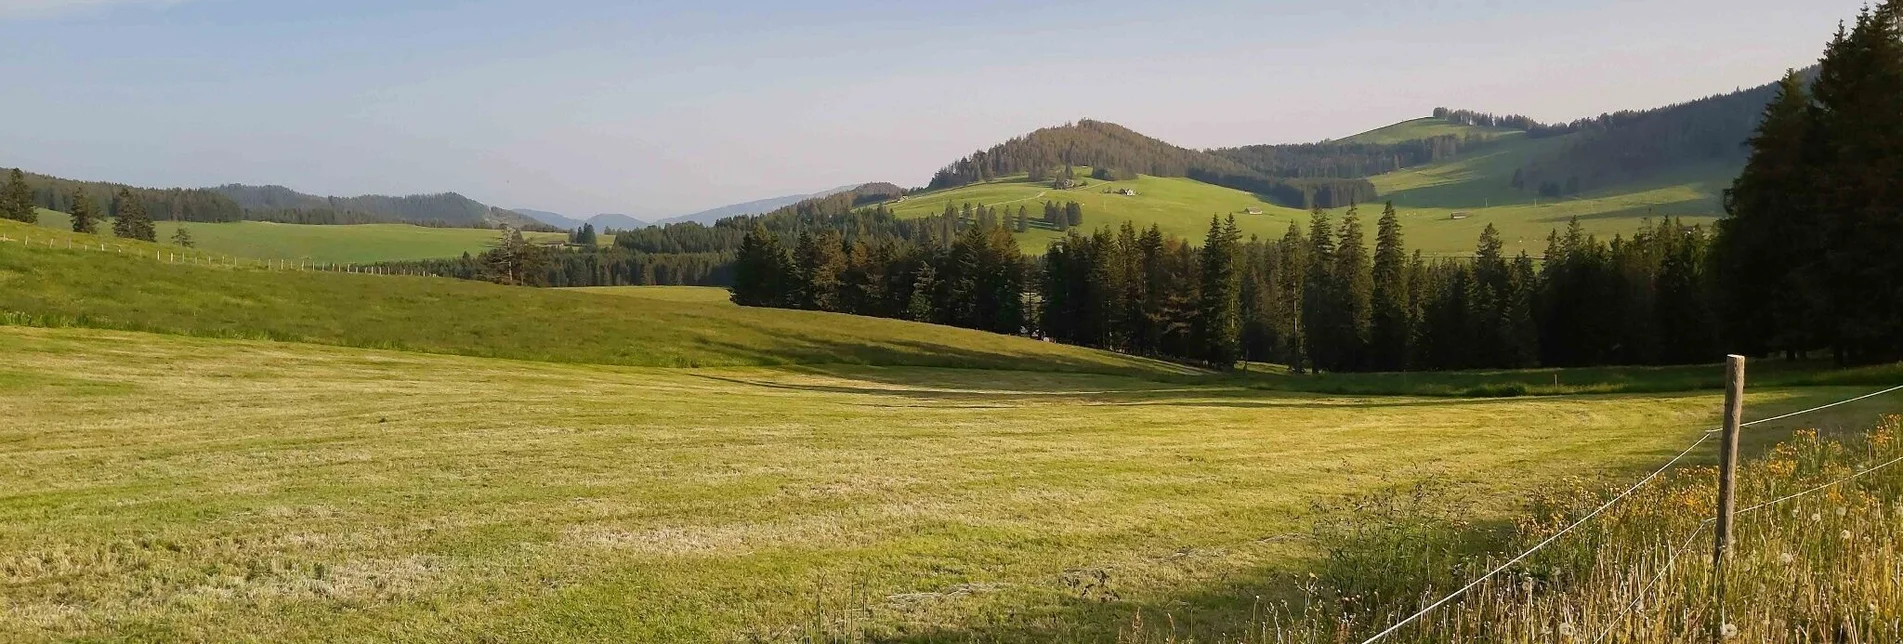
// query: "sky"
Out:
[656,108]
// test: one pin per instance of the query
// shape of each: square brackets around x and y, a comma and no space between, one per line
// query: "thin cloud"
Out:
[42,9]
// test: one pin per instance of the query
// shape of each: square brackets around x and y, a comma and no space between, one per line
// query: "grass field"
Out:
[175,488]
[698,294]
[58,287]
[1422,128]
[269,467]
[361,244]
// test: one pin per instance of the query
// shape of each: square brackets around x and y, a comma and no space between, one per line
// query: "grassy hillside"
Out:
[698,294]
[1475,185]
[131,291]
[176,488]
[1180,206]
[1422,128]
[363,243]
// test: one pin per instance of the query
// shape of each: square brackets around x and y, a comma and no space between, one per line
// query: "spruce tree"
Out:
[1767,249]
[1859,98]
[85,213]
[1355,292]
[1321,311]
[760,277]
[1290,282]
[1219,310]
[16,199]
[129,219]
[1389,328]
[183,237]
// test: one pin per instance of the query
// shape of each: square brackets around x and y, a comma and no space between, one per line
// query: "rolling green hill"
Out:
[341,244]
[1422,128]
[1475,185]
[129,291]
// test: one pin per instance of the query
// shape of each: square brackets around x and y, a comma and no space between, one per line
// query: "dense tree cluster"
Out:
[1808,257]
[1315,299]
[975,280]
[1123,152]
[175,204]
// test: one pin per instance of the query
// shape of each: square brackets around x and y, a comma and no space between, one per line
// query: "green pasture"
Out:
[129,291]
[1474,186]
[1422,128]
[695,294]
[359,244]
[202,489]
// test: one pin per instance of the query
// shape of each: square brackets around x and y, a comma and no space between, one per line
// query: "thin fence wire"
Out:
[1819,488]
[1627,493]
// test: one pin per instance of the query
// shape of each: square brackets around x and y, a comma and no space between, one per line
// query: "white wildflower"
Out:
[1566,629]
[1815,517]
[1730,631]
[1843,511]
[1846,535]
[1786,558]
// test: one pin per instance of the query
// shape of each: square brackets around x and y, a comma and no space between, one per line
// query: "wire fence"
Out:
[1703,436]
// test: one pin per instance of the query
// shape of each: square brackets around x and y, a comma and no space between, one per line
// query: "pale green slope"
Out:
[360,243]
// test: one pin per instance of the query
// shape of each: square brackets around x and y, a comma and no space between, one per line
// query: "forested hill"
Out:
[1352,159]
[278,203]
[1120,151]
[1611,149]
[183,204]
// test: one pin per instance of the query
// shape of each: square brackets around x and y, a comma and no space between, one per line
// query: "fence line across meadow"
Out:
[1703,436]
[194,257]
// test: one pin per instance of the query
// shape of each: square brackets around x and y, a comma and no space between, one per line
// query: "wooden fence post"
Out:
[1727,481]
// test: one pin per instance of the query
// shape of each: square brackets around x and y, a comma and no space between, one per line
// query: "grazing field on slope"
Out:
[1180,206]
[1477,184]
[1426,197]
[1423,128]
[701,294]
[360,243]
[176,488]
[47,287]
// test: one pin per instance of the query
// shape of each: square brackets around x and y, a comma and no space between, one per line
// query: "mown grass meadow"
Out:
[168,487]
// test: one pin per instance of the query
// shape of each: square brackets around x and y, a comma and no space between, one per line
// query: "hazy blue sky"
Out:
[655,108]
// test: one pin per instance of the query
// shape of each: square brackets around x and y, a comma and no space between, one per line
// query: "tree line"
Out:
[1314,299]
[1335,160]
[1808,256]
[126,210]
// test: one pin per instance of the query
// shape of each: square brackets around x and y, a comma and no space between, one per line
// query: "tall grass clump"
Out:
[1823,567]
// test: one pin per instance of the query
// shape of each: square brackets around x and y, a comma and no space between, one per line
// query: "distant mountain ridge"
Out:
[759,206]
[601,222]
[441,209]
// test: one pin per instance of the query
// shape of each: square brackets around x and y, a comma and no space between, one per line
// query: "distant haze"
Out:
[664,108]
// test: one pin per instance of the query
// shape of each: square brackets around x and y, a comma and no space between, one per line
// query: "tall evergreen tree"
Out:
[129,219]
[761,270]
[1389,320]
[818,262]
[85,213]
[1768,250]
[1290,285]
[16,199]
[1859,121]
[1321,308]
[1219,309]
[1354,292]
